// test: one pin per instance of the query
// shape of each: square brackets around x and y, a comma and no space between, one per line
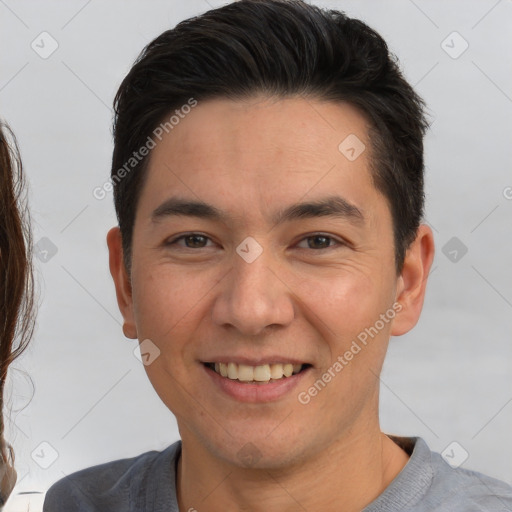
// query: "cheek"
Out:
[167,307]
[345,302]
[166,304]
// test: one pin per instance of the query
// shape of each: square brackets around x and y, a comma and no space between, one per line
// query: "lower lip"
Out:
[254,393]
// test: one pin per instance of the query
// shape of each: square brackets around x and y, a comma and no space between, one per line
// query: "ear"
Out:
[121,281]
[412,281]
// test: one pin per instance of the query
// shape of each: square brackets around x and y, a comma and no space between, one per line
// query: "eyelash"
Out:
[339,243]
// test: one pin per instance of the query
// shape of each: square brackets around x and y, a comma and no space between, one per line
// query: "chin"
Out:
[257,452]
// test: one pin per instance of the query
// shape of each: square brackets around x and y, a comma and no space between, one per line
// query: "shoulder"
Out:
[428,483]
[112,486]
[462,489]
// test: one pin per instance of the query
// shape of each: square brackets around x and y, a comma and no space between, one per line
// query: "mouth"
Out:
[261,374]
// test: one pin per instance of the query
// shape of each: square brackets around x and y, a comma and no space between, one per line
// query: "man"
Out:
[268,182]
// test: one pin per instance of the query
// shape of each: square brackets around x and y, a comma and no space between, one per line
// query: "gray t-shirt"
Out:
[147,483]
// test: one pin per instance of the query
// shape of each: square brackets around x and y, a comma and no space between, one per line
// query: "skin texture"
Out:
[302,299]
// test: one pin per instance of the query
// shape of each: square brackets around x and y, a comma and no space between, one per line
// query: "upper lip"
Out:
[254,361]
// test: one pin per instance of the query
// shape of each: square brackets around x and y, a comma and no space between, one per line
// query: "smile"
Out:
[263,374]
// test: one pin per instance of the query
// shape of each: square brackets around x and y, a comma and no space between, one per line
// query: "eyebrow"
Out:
[332,206]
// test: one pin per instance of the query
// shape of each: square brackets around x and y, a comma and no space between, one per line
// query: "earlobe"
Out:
[412,281]
[121,282]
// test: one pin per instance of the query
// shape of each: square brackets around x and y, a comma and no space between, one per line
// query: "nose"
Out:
[253,297]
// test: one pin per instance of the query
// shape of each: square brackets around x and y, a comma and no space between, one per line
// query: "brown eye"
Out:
[193,241]
[319,241]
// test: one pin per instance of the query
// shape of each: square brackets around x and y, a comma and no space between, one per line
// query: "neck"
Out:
[350,474]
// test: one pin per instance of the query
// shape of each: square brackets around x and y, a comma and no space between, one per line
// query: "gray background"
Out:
[80,390]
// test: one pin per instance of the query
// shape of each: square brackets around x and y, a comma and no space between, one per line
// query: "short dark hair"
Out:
[281,48]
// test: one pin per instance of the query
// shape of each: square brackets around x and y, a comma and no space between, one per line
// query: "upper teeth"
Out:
[261,373]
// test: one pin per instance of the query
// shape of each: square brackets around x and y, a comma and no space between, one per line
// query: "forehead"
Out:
[263,150]
[273,127]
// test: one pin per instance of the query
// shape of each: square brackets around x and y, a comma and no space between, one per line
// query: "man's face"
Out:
[319,282]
